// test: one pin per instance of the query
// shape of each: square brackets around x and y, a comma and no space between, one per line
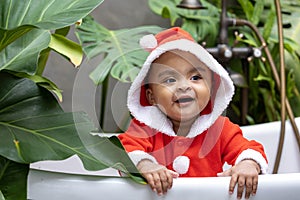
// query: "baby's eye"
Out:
[170,80]
[196,77]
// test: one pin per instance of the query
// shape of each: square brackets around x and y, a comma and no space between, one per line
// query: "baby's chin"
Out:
[187,118]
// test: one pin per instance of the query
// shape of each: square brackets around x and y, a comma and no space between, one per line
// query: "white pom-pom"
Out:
[148,42]
[181,164]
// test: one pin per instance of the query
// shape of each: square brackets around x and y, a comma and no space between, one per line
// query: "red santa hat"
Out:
[177,39]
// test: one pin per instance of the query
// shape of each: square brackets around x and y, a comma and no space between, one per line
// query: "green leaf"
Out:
[22,55]
[202,30]
[271,110]
[63,31]
[166,13]
[269,23]
[44,55]
[123,56]
[43,82]
[42,61]
[201,24]
[250,120]
[1,196]
[166,9]
[34,128]
[13,179]
[291,17]
[67,48]
[249,39]
[257,11]
[9,36]
[247,8]
[45,14]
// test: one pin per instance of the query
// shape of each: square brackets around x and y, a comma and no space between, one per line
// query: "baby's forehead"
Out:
[181,59]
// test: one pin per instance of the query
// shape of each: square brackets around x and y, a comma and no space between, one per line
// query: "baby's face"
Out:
[180,85]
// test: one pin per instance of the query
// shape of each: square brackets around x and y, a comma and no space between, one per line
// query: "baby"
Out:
[177,101]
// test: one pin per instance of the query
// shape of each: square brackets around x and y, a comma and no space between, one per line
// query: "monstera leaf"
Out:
[123,56]
[34,128]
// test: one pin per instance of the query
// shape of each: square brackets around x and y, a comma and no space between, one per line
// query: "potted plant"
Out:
[33,127]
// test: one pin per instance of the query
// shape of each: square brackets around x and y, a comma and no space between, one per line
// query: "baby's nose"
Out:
[184,85]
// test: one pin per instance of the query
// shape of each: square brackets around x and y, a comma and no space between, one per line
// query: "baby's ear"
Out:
[150,97]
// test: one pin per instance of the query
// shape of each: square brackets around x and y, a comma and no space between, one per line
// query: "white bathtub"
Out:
[63,180]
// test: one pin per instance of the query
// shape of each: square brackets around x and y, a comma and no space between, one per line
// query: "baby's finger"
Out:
[165,181]
[150,180]
[240,188]
[254,185]
[249,188]
[232,183]
[170,175]
[157,184]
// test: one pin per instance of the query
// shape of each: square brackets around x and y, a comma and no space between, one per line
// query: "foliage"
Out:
[33,125]
[204,27]
[123,55]
[267,97]
[263,94]
[13,179]
[202,24]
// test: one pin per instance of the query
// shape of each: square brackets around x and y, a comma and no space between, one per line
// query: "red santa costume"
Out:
[212,139]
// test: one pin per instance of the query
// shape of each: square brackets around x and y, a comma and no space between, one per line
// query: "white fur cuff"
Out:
[137,156]
[256,156]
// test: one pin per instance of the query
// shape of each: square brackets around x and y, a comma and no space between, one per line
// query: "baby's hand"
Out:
[158,177]
[245,173]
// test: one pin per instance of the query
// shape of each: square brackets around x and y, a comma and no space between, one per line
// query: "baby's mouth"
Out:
[184,100]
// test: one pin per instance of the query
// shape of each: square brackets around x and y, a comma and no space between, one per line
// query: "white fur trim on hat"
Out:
[181,164]
[137,155]
[256,156]
[148,42]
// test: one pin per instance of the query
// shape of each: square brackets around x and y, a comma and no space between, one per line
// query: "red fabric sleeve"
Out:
[137,137]
[233,143]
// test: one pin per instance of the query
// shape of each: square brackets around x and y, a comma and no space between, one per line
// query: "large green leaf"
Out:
[22,55]
[123,56]
[33,128]
[45,14]
[13,179]
[20,45]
